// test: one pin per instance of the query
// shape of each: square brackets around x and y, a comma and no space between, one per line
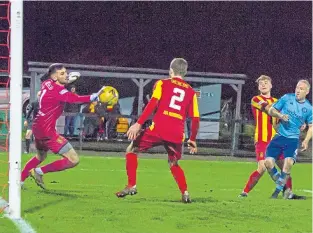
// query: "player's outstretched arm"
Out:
[133,131]
[275,113]
[308,137]
[95,96]
[69,97]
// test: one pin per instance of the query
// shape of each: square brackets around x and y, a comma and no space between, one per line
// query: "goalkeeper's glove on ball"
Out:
[95,96]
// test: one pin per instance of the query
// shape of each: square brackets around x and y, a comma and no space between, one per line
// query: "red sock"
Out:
[32,163]
[58,165]
[131,168]
[179,177]
[253,180]
[289,183]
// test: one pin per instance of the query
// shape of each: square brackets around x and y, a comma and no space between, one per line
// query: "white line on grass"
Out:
[21,224]
[117,170]
[306,190]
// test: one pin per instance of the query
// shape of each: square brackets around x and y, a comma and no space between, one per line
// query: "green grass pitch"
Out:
[82,199]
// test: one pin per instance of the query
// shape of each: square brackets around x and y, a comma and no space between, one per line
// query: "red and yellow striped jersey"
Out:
[264,124]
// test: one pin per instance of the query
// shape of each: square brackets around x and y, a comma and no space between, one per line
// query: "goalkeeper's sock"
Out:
[179,177]
[253,180]
[59,165]
[131,168]
[27,143]
[32,163]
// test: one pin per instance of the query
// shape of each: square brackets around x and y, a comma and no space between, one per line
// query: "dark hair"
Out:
[179,66]
[51,70]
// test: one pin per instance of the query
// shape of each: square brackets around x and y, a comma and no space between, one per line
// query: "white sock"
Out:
[38,170]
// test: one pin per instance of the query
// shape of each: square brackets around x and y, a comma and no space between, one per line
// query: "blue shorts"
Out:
[282,145]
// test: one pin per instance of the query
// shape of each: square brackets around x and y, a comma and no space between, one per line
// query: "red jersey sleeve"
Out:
[153,103]
[69,97]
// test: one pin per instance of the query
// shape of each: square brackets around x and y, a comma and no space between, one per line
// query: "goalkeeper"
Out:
[51,103]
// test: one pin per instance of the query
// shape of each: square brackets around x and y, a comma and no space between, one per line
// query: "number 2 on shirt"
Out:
[176,99]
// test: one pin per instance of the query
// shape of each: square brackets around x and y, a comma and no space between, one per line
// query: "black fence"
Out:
[113,138]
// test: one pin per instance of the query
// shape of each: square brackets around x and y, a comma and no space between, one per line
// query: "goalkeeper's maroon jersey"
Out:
[51,104]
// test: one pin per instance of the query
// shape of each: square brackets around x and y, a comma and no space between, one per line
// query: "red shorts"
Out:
[54,143]
[260,151]
[149,139]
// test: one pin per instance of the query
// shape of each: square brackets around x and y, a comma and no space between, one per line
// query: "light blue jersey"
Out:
[299,113]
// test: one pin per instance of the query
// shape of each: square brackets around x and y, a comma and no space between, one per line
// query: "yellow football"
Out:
[109,96]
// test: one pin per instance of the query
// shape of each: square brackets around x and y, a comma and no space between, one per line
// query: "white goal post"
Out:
[16,83]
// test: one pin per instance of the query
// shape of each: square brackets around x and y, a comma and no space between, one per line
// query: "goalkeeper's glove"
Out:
[95,96]
[73,76]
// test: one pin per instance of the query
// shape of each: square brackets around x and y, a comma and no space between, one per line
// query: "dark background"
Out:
[253,38]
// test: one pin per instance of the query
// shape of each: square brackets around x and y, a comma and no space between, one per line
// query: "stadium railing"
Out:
[223,146]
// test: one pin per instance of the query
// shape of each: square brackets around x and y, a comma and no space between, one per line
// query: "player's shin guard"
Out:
[253,180]
[58,165]
[274,174]
[131,168]
[179,177]
[32,163]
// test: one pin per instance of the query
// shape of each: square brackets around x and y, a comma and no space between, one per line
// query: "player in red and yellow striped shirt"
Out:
[174,100]
[264,130]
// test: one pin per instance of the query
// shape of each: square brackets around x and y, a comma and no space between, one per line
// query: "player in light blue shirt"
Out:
[293,111]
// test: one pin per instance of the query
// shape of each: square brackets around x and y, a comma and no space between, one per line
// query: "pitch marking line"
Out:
[21,224]
[306,190]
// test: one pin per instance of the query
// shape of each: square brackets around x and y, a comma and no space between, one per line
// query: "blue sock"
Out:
[280,183]
[274,174]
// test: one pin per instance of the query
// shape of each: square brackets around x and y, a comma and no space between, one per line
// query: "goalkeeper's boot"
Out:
[186,197]
[128,190]
[38,178]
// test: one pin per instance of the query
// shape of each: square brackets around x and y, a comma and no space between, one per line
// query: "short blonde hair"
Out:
[263,77]
[306,82]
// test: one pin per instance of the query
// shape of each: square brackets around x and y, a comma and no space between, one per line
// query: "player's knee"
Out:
[74,160]
[41,155]
[131,148]
[261,167]
[73,157]
[172,162]
[261,170]
[269,164]
[288,163]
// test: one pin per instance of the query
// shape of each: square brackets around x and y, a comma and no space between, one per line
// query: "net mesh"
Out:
[4,96]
